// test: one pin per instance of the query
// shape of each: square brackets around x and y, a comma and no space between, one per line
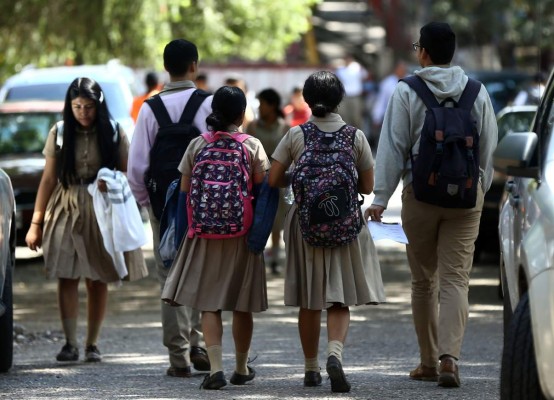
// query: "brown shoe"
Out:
[448,373]
[423,373]
[179,372]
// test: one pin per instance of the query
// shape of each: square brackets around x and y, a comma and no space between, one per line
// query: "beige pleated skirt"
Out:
[72,242]
[316,278]
[217,274]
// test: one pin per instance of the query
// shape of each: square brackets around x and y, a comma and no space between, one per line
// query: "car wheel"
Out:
[519,378]
[6,321]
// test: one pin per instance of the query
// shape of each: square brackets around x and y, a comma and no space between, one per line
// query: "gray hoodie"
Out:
[403,122]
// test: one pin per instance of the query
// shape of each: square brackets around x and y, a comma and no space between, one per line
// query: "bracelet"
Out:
[36,223]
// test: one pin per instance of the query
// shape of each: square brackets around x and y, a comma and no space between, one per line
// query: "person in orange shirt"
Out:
[297,111]
[152,88]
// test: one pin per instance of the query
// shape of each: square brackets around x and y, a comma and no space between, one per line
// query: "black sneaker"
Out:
[92,354]
[336,374]
[68,353]
[214,382]
[199,358]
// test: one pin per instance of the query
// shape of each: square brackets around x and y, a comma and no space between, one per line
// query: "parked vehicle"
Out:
[509,119]
[24,127]
[52,84]
[7,263]
[502,86]
[526,233]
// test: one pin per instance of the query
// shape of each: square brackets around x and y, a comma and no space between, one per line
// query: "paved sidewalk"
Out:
[380,350]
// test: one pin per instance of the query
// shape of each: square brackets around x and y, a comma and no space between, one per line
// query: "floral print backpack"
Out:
[219,204]
[325,182]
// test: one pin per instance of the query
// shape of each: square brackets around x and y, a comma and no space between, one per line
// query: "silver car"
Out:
[7,261]
[526,232]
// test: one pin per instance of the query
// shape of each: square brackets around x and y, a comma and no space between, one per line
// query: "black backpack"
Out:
[446,170]
[169,147]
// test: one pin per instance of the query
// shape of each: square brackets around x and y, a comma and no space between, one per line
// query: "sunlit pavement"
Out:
[380,350]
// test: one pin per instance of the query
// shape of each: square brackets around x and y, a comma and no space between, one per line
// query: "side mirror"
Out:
[514,153]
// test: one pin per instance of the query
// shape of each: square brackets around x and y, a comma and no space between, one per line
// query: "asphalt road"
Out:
[380,351]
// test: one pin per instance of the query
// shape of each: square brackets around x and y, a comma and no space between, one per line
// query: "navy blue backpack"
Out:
[169,238]
[446,169]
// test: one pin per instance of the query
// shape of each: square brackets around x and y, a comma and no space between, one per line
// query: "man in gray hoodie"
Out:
[441,240]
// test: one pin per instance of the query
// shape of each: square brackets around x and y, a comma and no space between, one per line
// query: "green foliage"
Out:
[479,22]
[49,32]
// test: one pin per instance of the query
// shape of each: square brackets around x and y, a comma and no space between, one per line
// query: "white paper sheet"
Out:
[384,230]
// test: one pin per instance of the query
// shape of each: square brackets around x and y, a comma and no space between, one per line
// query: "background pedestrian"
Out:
[269,128]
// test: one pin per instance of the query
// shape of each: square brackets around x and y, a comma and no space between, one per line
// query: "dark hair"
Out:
[438,39]
[109,151]
[272,98]
[323,92]
[228,104]
[151,80]
[179,54]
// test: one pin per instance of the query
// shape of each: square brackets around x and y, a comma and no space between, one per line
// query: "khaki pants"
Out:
[181,326]
[440,254]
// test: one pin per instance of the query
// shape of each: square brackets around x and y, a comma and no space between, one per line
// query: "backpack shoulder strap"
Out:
[241,137]
[419,86]
[59,134]
[160,112]
[351,131]
[305,127]
[208,137]
[115,127]
[472,89]
[196,99]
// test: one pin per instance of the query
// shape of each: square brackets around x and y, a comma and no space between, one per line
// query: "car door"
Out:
[522,208]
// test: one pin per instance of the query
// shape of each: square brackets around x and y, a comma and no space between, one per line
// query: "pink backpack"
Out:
[219,204]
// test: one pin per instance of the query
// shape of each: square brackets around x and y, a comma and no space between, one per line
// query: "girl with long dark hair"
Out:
[64,222]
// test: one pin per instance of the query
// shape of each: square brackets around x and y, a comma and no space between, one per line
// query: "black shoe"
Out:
[238,379]
[179,372]
[68,353]
[336,374]
[312,378]
[214,382]
[199,358]
[92,354]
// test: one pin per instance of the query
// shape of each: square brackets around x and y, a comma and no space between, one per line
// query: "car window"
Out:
[25,133]
[117,105]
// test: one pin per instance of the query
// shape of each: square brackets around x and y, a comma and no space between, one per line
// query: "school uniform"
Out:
[72,242]
[316,277]
[218,274]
